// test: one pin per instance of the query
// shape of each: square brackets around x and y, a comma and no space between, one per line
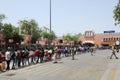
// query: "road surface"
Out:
[84,67]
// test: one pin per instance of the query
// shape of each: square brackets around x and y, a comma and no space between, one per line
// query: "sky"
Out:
[68,16]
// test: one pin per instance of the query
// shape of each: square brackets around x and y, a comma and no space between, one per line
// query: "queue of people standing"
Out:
[21,57]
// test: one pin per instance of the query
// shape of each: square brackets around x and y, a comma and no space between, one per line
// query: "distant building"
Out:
[108,38]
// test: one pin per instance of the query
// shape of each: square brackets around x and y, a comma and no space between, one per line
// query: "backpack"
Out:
[26,53]
[23,53]
[13,56]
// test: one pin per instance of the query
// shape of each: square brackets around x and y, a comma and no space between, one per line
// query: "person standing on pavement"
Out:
[55,55]
[72,53]
[113,53]
[75,50]
[13,58]
[8,57]
[23,57]
[91,50]
[19,58]
[42,55]
[37,54]
[2,61]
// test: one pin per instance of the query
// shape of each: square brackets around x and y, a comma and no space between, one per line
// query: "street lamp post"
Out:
[49,41]
[50,16]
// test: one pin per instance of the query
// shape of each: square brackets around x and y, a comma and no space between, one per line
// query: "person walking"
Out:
[113,53]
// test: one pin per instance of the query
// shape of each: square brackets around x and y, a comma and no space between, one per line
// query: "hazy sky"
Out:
[68,16]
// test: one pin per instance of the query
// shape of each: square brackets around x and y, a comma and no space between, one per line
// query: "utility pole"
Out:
[49,41]
[50,16]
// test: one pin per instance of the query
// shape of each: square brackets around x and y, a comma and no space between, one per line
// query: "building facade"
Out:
[104,39]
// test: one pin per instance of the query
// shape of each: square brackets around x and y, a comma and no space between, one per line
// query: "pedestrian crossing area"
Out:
[64,71]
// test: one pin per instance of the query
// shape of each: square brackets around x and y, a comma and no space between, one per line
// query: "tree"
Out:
[8,31]
[30,27]
[48,35]
[2,16]
[26,27]
[117,13]
[11,32]
[35,35]
[70,37]
[35,30]
[16,37]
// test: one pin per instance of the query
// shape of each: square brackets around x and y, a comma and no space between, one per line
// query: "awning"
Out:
[89,42]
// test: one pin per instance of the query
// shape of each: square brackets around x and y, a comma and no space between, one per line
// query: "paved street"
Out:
[84,67]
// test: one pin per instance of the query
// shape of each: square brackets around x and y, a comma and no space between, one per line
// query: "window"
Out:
[117,39]
[111,38]
[89,33]
[104,39]
[114,38]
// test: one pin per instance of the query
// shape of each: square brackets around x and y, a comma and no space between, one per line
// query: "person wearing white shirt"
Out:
[7,57]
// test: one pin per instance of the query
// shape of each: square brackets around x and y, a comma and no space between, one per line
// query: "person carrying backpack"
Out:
[13,57]
[23,55]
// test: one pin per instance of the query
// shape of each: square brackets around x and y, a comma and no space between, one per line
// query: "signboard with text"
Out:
[111,31]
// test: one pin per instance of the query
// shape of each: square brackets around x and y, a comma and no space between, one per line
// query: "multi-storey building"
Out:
[108,38]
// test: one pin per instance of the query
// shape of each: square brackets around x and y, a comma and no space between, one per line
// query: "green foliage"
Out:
[30,27]
[1,27]
[17,38]
[11,32]
[26,27]
[48,35]
[70,37]
[2,16]
[8,31]
[35,35]
[117,13]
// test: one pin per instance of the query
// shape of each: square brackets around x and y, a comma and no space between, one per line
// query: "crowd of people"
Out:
[22,57]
